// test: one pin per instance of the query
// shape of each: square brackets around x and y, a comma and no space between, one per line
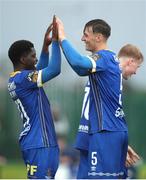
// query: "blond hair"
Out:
[132,51]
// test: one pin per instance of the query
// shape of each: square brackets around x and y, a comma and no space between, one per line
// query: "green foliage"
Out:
[142,172]
[134,107]
[17,170]
[13,171]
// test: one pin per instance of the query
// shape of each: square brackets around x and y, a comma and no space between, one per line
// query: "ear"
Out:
[22,60]
[99,37]
[130,61]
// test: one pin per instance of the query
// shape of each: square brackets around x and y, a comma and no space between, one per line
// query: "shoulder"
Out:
[25,74]
[109,55]
[106,53]
[21,76]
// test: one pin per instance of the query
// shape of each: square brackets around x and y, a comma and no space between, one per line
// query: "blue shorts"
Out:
[41,163]
[107,155]
[83,165]
[82,141]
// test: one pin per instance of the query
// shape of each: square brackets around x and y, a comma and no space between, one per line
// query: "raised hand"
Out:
[54,30]
[60,26]
[47,38]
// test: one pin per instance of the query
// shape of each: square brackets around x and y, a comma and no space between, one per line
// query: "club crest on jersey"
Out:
[95,57]
[33,76]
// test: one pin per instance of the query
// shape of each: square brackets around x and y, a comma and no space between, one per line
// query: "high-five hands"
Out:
[60,27]
[54,30]
[53,27]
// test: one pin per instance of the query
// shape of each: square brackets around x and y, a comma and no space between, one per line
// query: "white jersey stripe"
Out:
[93,64]
[39,80]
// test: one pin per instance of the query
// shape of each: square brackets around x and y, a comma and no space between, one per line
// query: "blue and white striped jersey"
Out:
[32,102]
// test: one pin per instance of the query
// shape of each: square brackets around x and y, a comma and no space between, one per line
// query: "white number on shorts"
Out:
[94,158]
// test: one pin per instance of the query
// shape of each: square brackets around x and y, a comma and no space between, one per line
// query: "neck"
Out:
[102,46]
[18,68]
[21,68]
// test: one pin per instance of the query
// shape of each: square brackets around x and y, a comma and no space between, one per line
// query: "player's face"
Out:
[130,69]
[90,39]
[30,60]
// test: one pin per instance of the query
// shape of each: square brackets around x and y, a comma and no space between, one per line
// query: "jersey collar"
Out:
[14,73]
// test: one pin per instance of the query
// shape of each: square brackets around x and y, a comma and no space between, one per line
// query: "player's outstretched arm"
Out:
[54,67]
[80,64]
[44,57]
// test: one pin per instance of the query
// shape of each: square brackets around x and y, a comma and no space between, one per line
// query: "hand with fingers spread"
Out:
[132,157]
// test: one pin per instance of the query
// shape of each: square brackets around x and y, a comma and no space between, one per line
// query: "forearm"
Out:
[54,66]
[74,58]
[43,61]
[45,47]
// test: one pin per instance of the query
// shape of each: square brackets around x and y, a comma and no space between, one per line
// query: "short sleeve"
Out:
[99,62]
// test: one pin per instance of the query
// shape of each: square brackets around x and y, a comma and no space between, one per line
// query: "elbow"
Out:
[82,74]
[56,73]
[78,73]
[74,64]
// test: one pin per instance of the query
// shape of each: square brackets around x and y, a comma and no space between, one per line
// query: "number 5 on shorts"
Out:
[94,158]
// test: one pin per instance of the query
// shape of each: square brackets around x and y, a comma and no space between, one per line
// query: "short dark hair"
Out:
[18,49]
[99,26]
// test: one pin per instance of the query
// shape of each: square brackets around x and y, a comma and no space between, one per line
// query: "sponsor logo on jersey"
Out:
[119,113]
[11,89]
[11,86]
[83,128]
